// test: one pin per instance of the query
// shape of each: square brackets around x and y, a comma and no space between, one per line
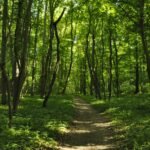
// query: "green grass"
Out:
[131,116]
[34,127]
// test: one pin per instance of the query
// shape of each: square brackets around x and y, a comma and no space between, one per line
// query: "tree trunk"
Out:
[54,73]
[5,80]
[43,69]
[116,69]
[136,70]
[143,37]
[3,50]
[54,30]
[20,60]
[102,63]
[71,55]
[48,58]
[35,52]
[96,81]
[110,65]
[84,76]
[93,74]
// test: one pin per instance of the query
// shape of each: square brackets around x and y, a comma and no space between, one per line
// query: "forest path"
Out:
[89,131]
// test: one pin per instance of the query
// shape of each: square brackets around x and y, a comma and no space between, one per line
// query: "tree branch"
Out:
[60,17]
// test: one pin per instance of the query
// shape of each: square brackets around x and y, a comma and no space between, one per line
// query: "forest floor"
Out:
[90,130]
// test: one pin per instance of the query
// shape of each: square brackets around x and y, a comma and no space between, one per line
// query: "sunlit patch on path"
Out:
[90,130]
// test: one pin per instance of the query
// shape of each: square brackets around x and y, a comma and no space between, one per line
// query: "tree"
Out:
[3,52]
[35,50]
[5,80]
[71,49]
[53,30]
[20,50]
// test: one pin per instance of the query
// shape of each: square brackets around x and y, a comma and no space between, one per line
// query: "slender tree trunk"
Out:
[48,58]
[97,85]
[93,84]
[54,30]
[84,76]
[54,73]
[141,70]
[35,52]
[94,70]
[5,85]
[20,61]
[102,57]
[71,55]
[11,40]
[17,48]
[88,61]
[91,64]
[110,65]
[93,74]
[43,69]
[136,70]
[143,36]
[8,95]
[102,60]
[3,50]
[116,69]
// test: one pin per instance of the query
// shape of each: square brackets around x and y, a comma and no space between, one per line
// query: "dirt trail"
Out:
[90,130]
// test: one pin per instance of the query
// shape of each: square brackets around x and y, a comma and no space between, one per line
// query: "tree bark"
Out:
[102,63]
[96,81]
[54,31]
[5,80]
[143,37]
[110,65]
[43,69]
[3,50]
[71,56]
[35,51]
[116,69]
[20,59]
[136,70]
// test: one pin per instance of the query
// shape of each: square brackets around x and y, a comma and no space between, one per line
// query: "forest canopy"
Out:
[89,47]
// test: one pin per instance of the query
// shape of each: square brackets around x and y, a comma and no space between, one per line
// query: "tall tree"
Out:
[53,30]
[116,68]
[136,68]
[35,50]
[3,51]
[110,64]
[143,35]
[71,49]
[43,67]
[20,50]
[5,80]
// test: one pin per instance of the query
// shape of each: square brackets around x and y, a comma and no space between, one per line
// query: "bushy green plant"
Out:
[132,115]
[35,127]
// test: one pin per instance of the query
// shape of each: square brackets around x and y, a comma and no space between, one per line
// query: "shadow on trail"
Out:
[89,130]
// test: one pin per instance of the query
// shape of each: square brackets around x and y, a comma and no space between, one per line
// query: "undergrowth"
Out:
[34,127]
[131,116]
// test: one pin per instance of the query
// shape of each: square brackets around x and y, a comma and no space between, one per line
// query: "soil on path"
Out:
[89,131]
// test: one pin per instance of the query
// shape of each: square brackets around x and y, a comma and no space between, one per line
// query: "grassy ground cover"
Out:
[34,127]
[131,116]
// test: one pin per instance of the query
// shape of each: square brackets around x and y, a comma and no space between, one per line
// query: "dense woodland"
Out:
[55,47]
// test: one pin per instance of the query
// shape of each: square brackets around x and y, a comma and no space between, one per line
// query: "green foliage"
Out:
[127,88]
[35,127]
[132,116]
[99,105]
